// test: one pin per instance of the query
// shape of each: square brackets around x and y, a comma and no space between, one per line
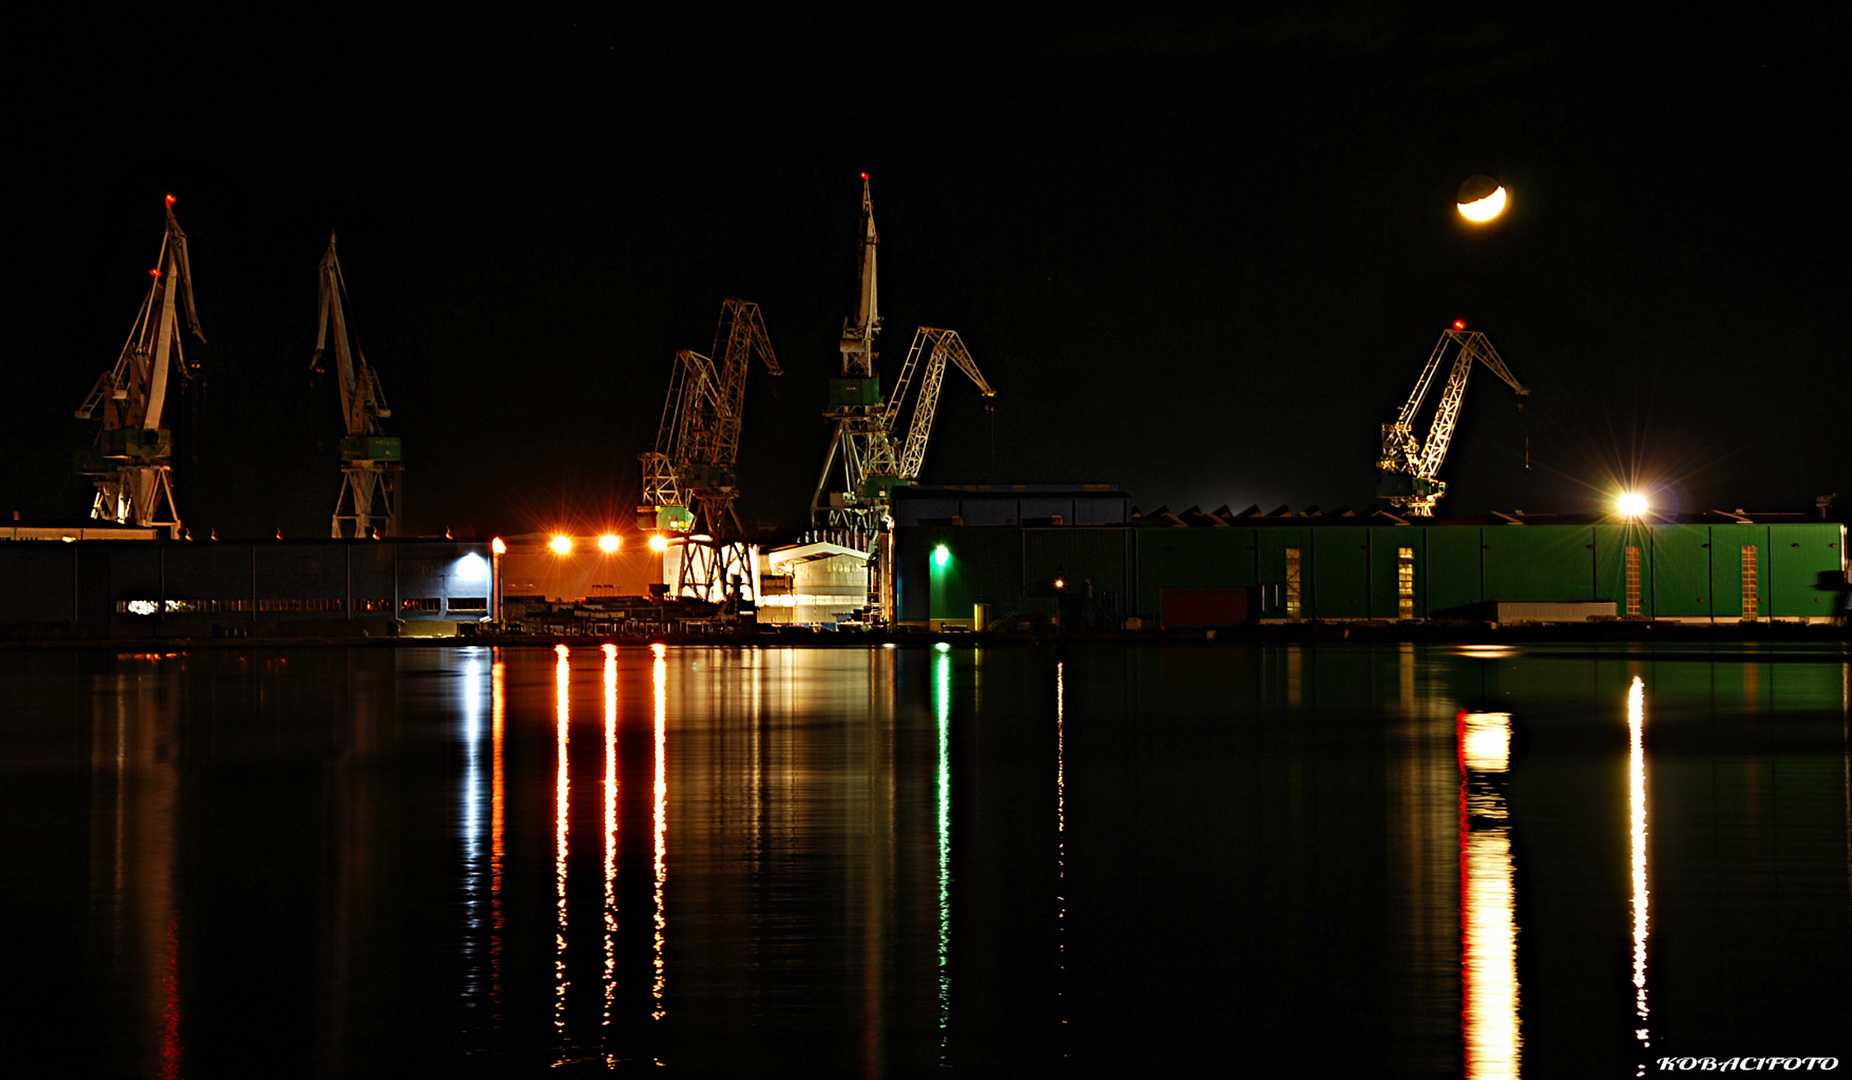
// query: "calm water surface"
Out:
[1106,861]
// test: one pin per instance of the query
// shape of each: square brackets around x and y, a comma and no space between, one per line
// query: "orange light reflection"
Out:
[562,799]
[610,830]
[497,831]
[660,675]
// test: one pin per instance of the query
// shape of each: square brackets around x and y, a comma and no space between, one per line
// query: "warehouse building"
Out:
[92,588]
[1217,569]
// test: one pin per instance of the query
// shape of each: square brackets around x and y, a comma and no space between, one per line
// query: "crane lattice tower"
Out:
[131,459]
[371,461]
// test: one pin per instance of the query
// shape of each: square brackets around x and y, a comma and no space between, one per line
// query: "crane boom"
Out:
[689,481]
[946,345]
[130,462]
[1410,467]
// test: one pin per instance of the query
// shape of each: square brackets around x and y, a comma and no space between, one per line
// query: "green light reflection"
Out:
[942,707]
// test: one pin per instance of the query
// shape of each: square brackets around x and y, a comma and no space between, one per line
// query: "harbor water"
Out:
[1099,860]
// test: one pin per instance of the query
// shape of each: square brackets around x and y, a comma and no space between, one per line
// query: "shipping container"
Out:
[1193,606]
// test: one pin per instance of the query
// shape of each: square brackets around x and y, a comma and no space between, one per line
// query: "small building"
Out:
[566,567]
[812,584]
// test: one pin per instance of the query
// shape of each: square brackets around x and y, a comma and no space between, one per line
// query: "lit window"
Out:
[1405,582]
[1292,583]
[1751,590]
[1633,581]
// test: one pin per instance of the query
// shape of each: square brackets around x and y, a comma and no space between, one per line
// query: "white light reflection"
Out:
[1488,916]
[475,796]
[942,707]
[610,831]
[660,674]
[1636,798]
[562,798]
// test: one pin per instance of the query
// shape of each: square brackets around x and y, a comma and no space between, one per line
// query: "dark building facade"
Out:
[131,589]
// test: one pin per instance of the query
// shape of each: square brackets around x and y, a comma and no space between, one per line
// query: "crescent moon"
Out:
[1484,209]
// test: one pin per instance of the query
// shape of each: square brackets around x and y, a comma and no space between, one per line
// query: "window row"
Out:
[310,604]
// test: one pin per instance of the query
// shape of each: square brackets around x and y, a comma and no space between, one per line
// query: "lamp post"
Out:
[496,550]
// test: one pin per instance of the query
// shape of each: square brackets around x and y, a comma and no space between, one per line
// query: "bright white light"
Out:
[941,555]
[498,546]
[607,543]
[659,543]
[472,567]
[1632,504]
[561,544]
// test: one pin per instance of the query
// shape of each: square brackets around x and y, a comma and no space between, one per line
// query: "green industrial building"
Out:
[1196,569]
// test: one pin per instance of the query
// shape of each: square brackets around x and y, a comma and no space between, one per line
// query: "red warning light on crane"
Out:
[1459,324]
[864,176]
[155,273]
[170,200]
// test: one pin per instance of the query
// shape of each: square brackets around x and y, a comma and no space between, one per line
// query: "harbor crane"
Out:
[891,459]
[1410,468]
[867,452]
[371,464]
[690,480]
[130,461]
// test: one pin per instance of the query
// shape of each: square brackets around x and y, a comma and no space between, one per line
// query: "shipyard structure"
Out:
[92,585]
[1026,558]
[1016,558]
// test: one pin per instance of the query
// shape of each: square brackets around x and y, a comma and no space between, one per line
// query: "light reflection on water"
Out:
[1488,909]
[1636,805]
[1428,851]
[562,818]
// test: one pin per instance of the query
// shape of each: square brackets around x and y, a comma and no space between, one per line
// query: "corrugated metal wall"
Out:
[132,588]
[1683,571]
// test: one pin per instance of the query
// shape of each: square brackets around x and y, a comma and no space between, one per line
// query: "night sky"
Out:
[1201,255]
